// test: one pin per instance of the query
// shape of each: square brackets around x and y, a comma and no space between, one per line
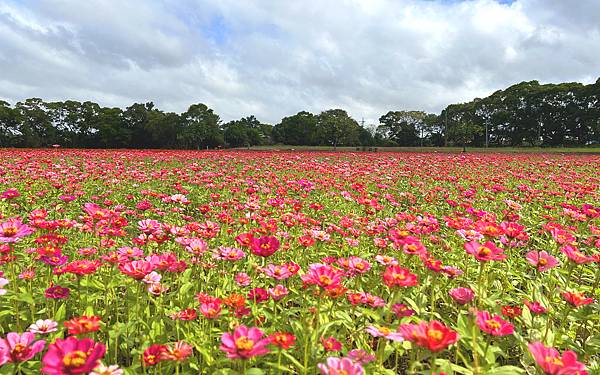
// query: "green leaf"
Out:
[506,370]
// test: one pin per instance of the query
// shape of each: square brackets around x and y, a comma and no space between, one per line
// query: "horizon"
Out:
[272,60]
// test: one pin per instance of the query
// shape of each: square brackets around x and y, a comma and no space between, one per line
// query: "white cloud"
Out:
[274,58]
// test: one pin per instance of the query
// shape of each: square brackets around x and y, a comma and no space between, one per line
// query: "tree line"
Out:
[525,114]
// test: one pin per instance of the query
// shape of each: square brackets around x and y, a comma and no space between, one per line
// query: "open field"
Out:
[221,262]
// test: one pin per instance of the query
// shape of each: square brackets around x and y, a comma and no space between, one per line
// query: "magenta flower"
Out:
[552,363]
[264,246]
[72,356]
[493,324]
[462,296]
[57,292]
[13,230]
[244,343]
[19,348]
[541,260]
[485,252]
[338,366]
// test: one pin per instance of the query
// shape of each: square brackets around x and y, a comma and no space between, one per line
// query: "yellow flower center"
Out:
[492,324]
[75,359]
[435,334]
[244,343]
[325,280]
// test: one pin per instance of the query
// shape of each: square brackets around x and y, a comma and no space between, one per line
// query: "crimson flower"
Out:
[434,336]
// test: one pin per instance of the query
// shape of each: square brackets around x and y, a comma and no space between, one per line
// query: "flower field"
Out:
[180,262]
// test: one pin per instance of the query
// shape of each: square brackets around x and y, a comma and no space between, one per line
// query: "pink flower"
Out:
[541,260]
[72,356]
[323,275]
[341,366]
[43,327]
[244,343]
[384,332]
[552,363]
[535,307]
[13,230]
[137,269]
[575,255]
[242,279]
[462,296]
[399,276]
[485,252]
[19,348]
[277,272]
[360,356]
[228,253]
[3,283]
[210,310]
[278,292]
[178,352]
[493,325]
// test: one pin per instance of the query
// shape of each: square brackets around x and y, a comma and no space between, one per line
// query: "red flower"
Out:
[511,311]
[577,299]
[284,340]
[152,355]
[434,336]
[83,324]
[331,344]
[398,276]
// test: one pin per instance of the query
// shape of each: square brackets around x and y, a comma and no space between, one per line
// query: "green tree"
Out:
[299,129]
[336,128]
[463,133]
[200,128]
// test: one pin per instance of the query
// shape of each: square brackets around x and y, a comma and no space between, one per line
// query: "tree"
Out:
[247,131]
[336,128]
[464,133]
[200,128]
[299,129]
[404,128]
[9,124]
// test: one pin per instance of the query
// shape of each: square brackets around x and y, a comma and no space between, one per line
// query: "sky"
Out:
[274,58]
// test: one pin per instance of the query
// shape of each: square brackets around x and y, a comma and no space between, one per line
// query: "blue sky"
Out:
[273,58]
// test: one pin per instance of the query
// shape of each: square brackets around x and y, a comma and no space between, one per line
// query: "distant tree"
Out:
[403,127]
[336,128]
[464,133]
[36,125]
[299,129]
[9,125]
[200,128]
[246,132]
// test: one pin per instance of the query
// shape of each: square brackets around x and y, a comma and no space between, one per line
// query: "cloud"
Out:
[274,58]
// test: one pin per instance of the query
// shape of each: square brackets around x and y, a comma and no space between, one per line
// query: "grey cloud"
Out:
[273,58]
